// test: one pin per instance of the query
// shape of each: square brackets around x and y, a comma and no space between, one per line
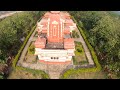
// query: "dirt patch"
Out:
[30,58]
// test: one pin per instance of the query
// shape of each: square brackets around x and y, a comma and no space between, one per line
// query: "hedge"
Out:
[80,70]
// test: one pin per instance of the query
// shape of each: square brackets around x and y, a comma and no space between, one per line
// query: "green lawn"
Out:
[80,57]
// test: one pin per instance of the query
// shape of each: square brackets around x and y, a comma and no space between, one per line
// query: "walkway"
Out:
[87,52]
[26,47]
[54,70]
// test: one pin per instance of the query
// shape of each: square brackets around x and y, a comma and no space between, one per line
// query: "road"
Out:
[8,14]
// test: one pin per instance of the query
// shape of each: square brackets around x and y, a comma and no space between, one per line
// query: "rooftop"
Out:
[54,46]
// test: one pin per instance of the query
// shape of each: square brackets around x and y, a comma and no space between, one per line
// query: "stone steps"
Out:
[54,75]
[54,70]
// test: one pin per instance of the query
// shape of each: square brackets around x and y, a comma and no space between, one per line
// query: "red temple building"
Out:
[54,43]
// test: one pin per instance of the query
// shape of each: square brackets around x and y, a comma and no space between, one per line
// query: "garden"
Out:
[75,34]
[80,57]
[30,57]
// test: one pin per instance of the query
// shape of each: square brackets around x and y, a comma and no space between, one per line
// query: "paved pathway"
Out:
[54,70]
[87,52]
[26,47]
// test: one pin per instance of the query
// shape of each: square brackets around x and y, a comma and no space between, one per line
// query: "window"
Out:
[54,58]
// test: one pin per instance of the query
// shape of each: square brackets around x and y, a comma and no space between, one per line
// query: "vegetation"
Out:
[31,49]
[25,73]
[97,68]
[30,72]
[87,75]
[75,34]
[21,71]
[19,52]
[101,29]
[1,76]
[12,29]
[80,56]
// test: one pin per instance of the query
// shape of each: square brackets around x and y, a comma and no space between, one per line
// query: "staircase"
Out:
[54,70]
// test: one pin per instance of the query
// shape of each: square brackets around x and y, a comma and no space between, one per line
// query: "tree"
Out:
[102,31]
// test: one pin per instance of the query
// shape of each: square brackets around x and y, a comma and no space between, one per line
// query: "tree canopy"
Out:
[102,31]
[13,28]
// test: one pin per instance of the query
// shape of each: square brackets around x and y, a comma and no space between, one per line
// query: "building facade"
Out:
[54,43]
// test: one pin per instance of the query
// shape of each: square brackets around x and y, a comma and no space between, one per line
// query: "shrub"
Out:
[79,50]
[75,34]
[77,53]
[78,43]
[73,58]
[2,76]
[83,62]
[31,49]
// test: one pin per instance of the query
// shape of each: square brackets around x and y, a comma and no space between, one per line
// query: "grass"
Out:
[25,74]
[87,75]
[31,49]
[36,34]
[75,34]
[80,57]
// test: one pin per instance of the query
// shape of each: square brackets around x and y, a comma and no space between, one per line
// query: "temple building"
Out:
[54,43]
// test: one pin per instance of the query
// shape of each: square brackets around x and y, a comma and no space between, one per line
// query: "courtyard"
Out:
[81,59]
